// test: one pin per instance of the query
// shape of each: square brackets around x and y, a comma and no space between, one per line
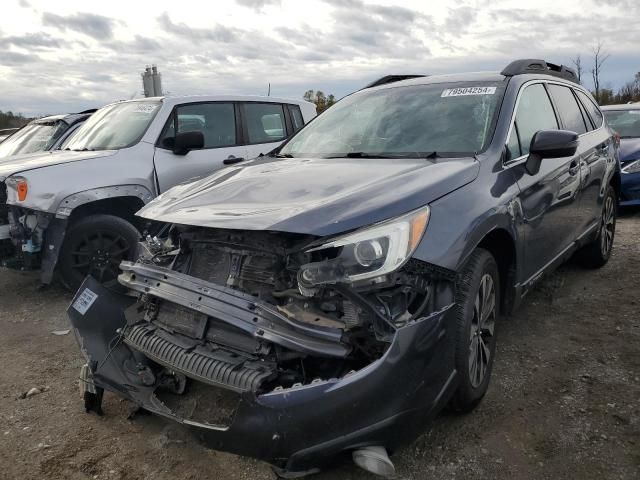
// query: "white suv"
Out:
[75,208]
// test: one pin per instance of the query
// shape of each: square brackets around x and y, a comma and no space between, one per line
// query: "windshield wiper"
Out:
[283,155]
[385,155]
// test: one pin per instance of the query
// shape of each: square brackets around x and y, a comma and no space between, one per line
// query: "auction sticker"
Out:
[462,91]
[84,301]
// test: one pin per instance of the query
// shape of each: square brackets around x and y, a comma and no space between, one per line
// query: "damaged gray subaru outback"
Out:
[330,298]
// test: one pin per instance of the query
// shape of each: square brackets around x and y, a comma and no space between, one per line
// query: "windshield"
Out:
[414,121]
[114,127]
[625,122]
[35,137]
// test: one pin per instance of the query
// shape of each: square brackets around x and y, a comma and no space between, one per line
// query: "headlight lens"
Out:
[367,253]
[632,167]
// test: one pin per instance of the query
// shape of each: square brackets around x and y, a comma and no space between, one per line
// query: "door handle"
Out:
[230,160]
[574,166]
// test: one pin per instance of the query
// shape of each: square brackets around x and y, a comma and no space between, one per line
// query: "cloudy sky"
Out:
[68,55]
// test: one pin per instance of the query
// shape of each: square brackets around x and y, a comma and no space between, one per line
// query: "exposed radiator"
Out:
[239,376]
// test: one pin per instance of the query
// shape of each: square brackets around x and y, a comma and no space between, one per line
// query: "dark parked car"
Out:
[43,134]
[625,120]
[333,297]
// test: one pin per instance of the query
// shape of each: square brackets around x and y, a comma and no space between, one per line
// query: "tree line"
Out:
[12,120]
[321,100]
[629,92]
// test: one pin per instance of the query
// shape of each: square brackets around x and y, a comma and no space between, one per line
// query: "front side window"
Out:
[116,126]
[35,137]
[265,122]
[534,113]
[568,108]
[216,121]
[625,122]
[446,118]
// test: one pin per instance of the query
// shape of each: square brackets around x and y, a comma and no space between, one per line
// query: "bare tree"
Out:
[577,62]
[599,57]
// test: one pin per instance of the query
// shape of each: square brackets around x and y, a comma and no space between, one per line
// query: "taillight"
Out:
[616,139]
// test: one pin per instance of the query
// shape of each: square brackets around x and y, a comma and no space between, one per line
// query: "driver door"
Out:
[549,198]
[219,124]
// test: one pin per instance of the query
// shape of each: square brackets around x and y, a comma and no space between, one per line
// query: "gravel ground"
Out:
[564,400]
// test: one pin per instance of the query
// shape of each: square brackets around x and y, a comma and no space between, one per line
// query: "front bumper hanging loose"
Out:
[387,403]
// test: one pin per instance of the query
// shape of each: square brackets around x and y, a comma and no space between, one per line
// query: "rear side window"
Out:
[592,108]
[216,121]
[568,108]
[296,117]
[264,122]
[534,113]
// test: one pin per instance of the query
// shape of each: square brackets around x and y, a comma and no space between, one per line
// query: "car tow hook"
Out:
[374,460]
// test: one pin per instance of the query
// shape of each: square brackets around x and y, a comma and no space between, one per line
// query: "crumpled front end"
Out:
[221,334]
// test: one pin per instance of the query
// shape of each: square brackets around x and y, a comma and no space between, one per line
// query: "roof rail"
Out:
[390,79]
[530,65]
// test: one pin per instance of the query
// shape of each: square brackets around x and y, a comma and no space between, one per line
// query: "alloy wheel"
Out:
[99,254]
[608,226]
[482,330]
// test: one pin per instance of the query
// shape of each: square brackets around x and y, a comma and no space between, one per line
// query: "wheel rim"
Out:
[608,226]
[482,330]
[99,254]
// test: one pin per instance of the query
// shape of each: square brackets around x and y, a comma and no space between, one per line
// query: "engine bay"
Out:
[299,334]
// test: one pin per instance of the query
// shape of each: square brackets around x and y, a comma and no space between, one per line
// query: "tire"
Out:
[477,298]
[96,245]
[597,253]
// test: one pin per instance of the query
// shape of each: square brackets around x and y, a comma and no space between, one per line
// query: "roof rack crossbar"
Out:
[531,65]
[390,79]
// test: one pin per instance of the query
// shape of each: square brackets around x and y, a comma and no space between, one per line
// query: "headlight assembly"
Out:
[367,253]
[632,167]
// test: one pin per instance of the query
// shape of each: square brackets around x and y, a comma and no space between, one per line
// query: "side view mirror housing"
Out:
[186,141]
[550,144]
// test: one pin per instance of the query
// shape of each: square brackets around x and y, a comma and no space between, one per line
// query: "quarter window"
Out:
[592,108]
[216,121]
[568,108]
[265,122]
[296,117]
[534,113]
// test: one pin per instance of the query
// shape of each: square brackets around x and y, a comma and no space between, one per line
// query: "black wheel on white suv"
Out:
[95,245]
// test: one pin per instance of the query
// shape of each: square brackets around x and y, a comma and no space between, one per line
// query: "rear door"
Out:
[594,166]
[549,198]
[265,126]
[220,125]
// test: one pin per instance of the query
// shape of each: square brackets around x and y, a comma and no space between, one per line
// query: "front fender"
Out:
[70,203]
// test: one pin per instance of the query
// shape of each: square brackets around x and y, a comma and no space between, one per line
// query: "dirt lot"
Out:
[564,401]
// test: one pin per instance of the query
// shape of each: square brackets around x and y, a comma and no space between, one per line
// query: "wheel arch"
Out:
[502,247]
[122,201]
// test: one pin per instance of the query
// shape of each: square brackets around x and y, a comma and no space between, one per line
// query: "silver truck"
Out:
[72,211]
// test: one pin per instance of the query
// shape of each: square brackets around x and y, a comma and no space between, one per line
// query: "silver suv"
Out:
[74,210]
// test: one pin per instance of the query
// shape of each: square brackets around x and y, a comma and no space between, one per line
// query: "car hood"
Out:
[312,196]
[629,149]
[20,163]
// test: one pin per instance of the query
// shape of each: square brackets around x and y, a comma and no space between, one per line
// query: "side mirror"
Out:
[550,144]
[186,141]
